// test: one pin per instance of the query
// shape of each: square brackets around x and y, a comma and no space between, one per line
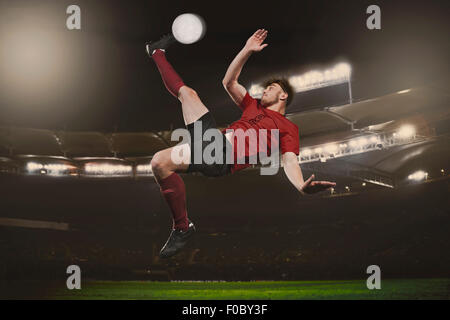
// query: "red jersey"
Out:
[256,117]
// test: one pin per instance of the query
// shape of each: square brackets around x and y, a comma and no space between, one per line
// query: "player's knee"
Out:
[158,163]
[188,93]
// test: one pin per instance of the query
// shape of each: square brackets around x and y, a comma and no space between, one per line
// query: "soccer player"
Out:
[265,113]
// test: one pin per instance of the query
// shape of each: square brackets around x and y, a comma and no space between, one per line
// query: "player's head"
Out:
[277,89]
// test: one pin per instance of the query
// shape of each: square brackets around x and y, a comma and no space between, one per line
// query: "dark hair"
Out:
[284,84]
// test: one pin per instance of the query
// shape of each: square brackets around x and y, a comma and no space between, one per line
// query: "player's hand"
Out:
[310,186]
[255,42]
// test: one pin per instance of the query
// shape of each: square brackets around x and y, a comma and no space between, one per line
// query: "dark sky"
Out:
[101,78]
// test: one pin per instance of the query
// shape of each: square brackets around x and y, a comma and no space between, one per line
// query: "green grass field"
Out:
[276,290]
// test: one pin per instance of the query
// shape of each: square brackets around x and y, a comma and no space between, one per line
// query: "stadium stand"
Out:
[85,144]
[425,109]
[137,144]
[31,141]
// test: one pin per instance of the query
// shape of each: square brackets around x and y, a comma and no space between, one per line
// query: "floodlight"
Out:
[418,175]
[406,131]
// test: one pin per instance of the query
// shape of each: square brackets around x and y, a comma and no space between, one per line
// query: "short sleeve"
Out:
[289,142]
[246,102]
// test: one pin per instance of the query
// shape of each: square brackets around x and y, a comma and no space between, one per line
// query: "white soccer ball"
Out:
[188,28]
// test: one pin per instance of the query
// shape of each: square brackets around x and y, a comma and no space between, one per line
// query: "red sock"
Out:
[171,79]
[174,191]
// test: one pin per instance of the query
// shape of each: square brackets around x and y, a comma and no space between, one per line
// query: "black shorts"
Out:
[209,170]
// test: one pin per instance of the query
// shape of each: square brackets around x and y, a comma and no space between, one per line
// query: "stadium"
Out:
[79,192]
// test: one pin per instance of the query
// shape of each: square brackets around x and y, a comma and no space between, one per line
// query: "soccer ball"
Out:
[188,28]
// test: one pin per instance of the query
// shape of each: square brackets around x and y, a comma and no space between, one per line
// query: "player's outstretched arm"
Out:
[295,176]
[230,81]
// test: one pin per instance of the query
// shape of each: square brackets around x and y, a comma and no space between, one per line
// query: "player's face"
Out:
[271,95]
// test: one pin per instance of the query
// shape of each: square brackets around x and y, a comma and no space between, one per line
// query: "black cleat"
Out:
[162,43]
[176,242]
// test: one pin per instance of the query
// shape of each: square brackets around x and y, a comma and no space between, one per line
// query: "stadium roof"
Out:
[431,103]
[425,101]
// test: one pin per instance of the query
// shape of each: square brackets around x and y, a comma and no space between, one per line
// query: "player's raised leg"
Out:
[192,107]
